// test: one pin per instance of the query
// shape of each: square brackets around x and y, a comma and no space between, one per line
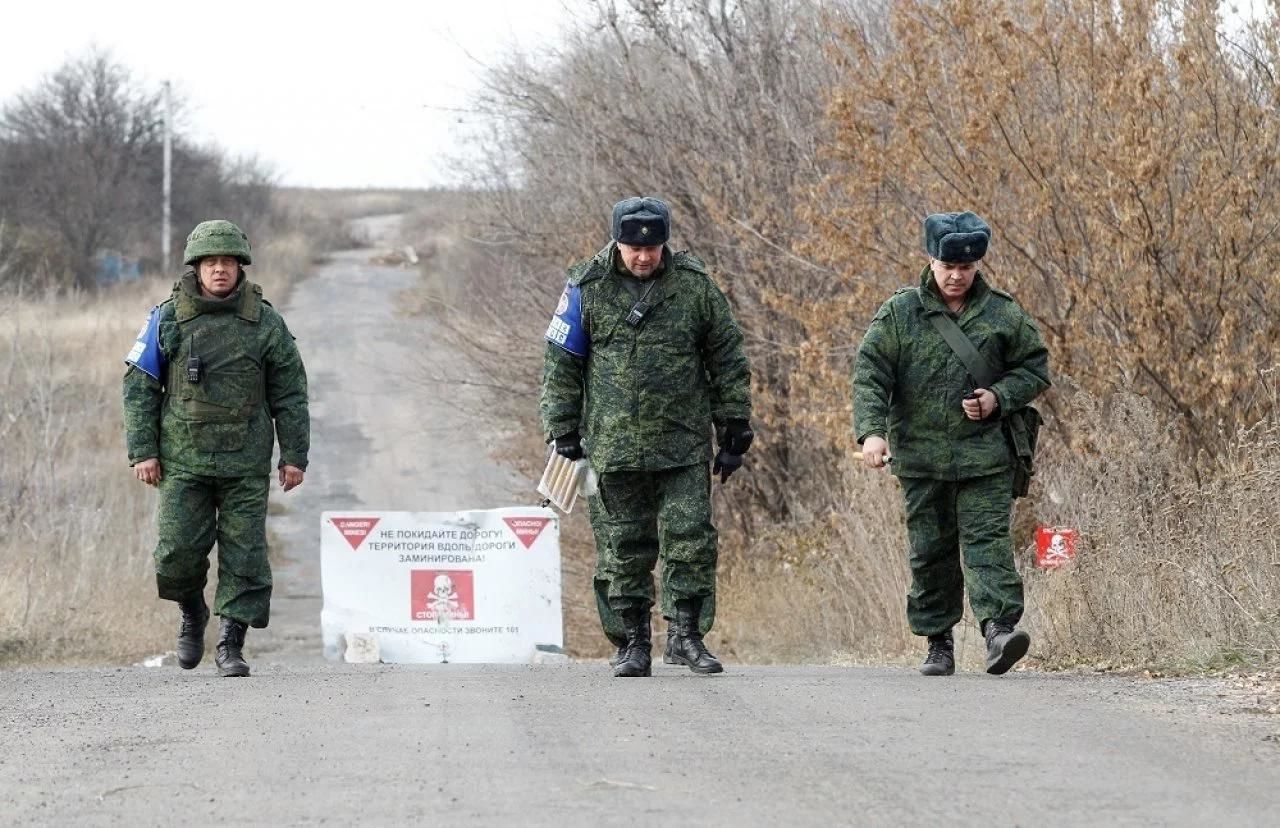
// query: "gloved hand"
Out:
[736,437]
[726,464]
[569,446]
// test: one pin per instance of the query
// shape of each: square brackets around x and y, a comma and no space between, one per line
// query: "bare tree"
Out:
[80,171]
[74,153]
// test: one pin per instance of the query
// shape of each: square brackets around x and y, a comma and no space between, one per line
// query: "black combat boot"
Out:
[230,660]
[195,617]
[687,647]
[941,660]
[619,654]
[1005,645]
[668,655]
[636,659]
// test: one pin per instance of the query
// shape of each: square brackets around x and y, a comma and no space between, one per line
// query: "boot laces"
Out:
[998,628]
[940,650]
[190,621]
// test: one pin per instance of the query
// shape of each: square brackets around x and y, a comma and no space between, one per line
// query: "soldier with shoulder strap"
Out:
[1021,427]
[943,374]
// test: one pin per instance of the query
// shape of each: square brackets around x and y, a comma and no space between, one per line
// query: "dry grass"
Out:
[830,589]
[75,565]
[1179,565]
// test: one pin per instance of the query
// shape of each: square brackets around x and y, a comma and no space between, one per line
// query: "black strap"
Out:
[981,371]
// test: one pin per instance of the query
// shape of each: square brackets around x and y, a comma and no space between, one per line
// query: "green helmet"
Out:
[217,238]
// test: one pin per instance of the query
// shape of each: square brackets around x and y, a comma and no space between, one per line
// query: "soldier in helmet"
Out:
[914,392]
[213,379]
[643,359]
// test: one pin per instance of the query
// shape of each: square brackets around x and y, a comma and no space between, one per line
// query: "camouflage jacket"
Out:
[908,384]
[250,375]
[645,397]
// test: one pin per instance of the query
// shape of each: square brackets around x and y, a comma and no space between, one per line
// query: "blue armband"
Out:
[146,353]
[566,329]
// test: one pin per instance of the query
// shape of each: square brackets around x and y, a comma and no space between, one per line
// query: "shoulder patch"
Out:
[146,353]
[566,330]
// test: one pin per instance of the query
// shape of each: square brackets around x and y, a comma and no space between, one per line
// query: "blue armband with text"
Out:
[566,329]
[146,353]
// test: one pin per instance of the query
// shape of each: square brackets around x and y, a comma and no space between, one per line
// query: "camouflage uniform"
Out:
[645,399]
[610,620]
[214,439]
[956,473]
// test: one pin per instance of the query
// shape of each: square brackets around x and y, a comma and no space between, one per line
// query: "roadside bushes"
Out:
[1124,154]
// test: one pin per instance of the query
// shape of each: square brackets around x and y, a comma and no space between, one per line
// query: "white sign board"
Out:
[430,587]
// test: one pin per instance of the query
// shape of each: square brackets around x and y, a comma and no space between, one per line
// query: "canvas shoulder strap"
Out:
[974,361]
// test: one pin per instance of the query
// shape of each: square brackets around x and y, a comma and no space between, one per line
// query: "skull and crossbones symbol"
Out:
[443,598]
[1057,552]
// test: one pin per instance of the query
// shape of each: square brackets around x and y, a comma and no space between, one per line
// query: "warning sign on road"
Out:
[480,586]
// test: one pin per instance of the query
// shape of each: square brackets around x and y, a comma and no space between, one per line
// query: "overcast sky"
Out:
[351,94]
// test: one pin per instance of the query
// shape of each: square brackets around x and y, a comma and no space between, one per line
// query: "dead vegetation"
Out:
[1123,154]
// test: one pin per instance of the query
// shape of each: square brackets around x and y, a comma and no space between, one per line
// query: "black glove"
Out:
[726,464]
[736,437]
[569,446]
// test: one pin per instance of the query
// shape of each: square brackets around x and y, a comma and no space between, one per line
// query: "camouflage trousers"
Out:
[959,536]
[610,620]
[195,512]
[641,517]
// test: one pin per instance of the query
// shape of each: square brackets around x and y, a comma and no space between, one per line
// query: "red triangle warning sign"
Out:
[354,529]
[527,529]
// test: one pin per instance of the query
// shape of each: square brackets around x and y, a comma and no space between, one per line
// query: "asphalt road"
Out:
[306,741]
[569,745]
